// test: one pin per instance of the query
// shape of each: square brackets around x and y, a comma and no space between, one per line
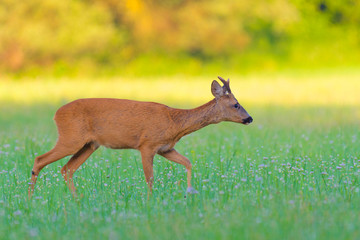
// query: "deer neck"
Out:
[190,120]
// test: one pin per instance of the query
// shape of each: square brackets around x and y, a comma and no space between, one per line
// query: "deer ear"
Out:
[216,89]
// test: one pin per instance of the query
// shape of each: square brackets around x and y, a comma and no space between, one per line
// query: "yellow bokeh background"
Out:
[284,90]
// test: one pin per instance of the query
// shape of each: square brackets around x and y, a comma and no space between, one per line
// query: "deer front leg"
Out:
[147,158]
[174,156]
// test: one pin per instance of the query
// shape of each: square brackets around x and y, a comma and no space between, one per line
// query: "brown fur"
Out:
[152,128]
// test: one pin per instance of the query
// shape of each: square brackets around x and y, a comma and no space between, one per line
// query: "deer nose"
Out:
[248,120]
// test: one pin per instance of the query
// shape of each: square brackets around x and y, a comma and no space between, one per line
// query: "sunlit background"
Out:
[153,37]
[280,51]
[291,174]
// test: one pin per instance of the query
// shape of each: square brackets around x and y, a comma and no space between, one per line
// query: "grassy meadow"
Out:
[291,174]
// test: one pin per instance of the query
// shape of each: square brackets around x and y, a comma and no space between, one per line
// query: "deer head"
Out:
[228,105]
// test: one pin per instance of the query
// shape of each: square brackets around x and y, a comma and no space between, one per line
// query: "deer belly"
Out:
[119,142]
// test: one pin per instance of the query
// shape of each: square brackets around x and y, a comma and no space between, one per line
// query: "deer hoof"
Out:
[191,190]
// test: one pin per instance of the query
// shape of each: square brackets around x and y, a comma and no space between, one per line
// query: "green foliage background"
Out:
[292,174]
[153,37]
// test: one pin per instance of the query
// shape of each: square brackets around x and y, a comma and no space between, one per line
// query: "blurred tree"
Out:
[43,32]
[102,33]
[202,28]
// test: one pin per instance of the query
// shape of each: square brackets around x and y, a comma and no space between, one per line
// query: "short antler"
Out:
[226,84]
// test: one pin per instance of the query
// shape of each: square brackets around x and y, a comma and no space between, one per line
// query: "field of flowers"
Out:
[292,174]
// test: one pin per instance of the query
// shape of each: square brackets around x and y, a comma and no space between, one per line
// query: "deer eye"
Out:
[236,105]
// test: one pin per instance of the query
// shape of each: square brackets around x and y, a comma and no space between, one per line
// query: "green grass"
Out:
[292,174]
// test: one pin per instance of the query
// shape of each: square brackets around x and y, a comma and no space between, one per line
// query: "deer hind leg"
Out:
[58,152]
[174,156]
[75,162]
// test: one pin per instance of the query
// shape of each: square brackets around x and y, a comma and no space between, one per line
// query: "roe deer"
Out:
[152,128]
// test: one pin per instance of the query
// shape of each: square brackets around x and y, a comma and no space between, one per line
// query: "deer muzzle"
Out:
[247,121]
